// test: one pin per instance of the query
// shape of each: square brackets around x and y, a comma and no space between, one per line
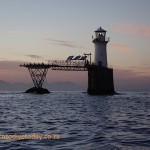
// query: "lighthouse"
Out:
[100,41]
[100,77]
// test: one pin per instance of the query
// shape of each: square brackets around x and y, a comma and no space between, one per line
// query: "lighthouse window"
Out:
[103,34]
[99,34]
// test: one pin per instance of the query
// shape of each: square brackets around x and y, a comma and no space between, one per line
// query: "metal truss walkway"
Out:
[38,71]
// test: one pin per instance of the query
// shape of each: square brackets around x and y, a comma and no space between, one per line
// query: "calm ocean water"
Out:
[120,122]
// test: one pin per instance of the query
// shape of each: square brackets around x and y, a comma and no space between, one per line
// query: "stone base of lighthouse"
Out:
[100,81]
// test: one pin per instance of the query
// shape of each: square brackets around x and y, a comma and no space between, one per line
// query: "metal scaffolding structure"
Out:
[38,76]
[68,65]
[38,71]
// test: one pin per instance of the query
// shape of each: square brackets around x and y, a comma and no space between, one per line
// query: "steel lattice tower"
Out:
[38,74]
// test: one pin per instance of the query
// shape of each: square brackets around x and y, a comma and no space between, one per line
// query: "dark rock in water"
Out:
[37,90]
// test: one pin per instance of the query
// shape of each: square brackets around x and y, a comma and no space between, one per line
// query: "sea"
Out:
[74,121]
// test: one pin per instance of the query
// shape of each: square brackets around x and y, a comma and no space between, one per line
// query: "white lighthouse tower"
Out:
[100,41]
[100,76]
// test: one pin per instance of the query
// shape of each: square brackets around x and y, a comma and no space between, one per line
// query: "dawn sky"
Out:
[42,30]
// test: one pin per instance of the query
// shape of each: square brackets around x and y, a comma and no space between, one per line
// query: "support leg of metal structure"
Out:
[38,76]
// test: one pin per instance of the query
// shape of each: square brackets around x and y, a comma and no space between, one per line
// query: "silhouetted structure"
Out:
[100,80]
[100,77]
[38,73]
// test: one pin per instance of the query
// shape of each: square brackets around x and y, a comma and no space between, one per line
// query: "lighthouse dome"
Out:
[100,30]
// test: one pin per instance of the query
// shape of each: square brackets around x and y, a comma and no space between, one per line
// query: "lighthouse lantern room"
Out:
[100,41]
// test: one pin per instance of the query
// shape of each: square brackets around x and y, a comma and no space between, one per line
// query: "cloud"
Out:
[120,47]
[57,41]
[34,56]
[12,72]
[130,80]
[124,73]
[135,29]
[63,43]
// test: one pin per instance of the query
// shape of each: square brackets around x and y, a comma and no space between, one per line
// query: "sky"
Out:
[42,30]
